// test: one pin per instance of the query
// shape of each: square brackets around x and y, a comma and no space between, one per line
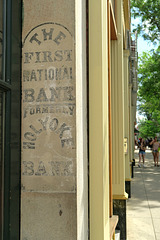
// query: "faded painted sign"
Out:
[49,107]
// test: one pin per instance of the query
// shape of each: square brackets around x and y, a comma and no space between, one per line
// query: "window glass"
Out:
[10,68]
[1,30]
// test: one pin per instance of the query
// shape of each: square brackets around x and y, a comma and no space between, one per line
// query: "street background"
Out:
[143,208]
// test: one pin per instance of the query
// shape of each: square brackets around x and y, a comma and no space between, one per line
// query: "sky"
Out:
[143,45]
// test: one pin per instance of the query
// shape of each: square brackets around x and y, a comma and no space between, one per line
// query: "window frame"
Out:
[11,78]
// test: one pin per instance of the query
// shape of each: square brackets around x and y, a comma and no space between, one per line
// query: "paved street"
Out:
[143,208]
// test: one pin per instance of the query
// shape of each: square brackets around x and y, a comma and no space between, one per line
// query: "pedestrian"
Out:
[156,145]
[147,142]
[151,145]
[142,148]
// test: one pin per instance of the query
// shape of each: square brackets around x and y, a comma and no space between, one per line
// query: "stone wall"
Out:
[48,198]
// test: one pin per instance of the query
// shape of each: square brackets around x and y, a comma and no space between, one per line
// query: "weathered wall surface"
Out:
[48,203]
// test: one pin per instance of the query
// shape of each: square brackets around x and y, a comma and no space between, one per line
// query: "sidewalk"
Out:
[143,208]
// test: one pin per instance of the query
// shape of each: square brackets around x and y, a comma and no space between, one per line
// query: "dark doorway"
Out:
[10,109]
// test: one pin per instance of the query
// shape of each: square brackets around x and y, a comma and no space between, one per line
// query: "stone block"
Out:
[48,216]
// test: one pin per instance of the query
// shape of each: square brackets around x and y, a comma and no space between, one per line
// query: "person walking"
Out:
[156,145]
[142,149]
[151,146]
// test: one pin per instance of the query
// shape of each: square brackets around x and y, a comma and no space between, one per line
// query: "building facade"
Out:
[68,105]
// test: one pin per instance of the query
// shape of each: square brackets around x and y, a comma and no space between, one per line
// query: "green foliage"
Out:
[148,128]
[149,84]
[149,92]
[149,12]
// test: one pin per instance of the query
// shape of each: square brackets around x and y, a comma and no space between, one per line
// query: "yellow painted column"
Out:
[130,123]
[118,111]
[133,109]
[126,116]
[98,121]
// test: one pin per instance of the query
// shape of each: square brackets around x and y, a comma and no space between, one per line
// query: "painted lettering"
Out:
[64,73]
[28,168]
[71,108]
[48,56]
[34,38]
[28,145]
[37,57]
[67,142]
[40,73]
[42,96]
[53,124]
[33,76]
[41,169]
[47,34]
[61,168]
[55,94]
[50,108]
[28,95]
[68,54]
[58,56]
[35,130]
[62,130]
[30,136]
[44,123]
[28,57]
[55,168]
[68,94]
[59,37]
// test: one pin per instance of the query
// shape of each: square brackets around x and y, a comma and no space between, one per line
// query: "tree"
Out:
[149,84]
[148,128]
[149,92]
[149,13]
